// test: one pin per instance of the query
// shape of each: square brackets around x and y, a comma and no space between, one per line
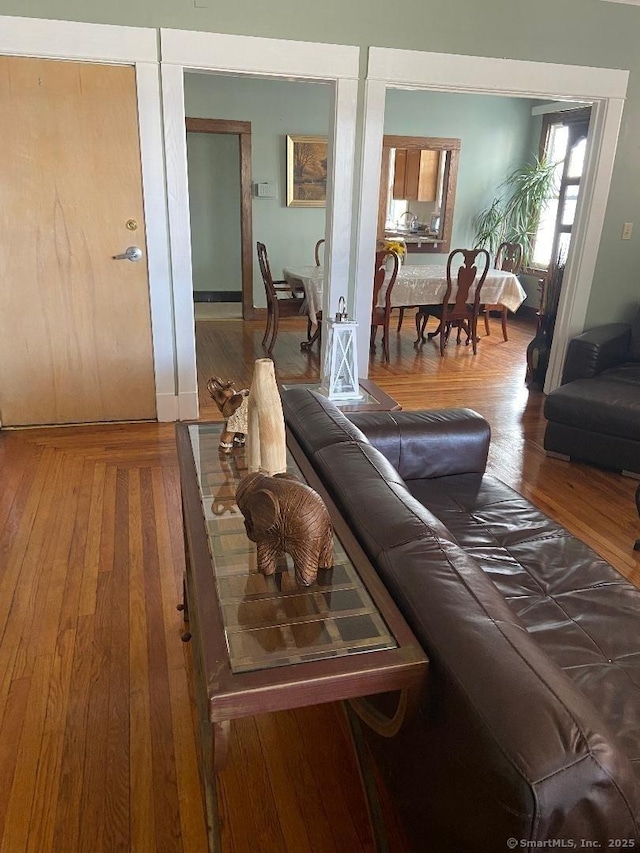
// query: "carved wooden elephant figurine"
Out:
[281,514]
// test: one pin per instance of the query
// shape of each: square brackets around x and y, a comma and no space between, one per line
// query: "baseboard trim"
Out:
[217,296]
[167,408]
[188,406]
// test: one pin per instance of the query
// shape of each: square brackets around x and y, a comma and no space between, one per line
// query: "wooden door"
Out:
[75,328]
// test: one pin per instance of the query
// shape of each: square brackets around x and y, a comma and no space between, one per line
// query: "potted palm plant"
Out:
[514,214]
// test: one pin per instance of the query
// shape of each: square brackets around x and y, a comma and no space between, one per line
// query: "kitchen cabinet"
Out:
[416,174]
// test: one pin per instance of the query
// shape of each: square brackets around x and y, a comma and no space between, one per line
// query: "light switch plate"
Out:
[627,230]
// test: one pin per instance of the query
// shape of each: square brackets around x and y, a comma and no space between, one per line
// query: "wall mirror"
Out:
[417,191]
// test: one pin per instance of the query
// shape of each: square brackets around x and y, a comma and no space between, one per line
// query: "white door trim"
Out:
[75,40]
[248,55]
[605,87]
[256,55]
[135,46]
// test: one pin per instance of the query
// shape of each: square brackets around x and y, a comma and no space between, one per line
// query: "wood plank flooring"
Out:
[97,749]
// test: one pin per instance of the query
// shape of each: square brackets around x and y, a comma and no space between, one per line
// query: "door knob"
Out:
[133,253]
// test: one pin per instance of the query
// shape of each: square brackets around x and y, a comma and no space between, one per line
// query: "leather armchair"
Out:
[595,414]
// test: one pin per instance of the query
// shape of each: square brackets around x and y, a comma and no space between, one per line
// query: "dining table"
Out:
[416,284]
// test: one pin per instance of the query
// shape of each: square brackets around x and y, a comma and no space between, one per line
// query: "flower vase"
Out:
[389,262]
[266,444]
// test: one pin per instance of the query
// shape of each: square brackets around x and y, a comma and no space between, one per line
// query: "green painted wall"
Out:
[275,108]
[494,133]
[581,32]
[495,136]
[214,207]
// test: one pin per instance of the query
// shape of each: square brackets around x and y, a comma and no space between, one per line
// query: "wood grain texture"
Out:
[97,742]
[75,330]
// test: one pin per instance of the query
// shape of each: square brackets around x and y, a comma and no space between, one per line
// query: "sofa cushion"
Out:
[605,404]
[376,503]
[629,373]
[582,612]
[315,421]
[432,443]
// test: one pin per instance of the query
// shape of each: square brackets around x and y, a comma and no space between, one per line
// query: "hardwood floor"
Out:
[97,749]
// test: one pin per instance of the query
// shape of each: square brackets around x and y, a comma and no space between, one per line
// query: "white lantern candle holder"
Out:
[340,371]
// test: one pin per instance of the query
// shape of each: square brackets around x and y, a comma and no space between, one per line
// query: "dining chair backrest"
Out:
[382,274]
[465,277]
[385,272]
[509,257]
[316,252]
[265,270]
[289,306]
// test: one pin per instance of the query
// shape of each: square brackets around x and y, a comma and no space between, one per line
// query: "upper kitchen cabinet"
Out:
[416,174]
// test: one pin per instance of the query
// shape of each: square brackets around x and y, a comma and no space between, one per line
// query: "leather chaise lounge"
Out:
[595,413]
[529,727]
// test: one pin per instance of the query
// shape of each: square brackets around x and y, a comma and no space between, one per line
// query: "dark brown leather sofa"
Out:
[595,413]
[530,725]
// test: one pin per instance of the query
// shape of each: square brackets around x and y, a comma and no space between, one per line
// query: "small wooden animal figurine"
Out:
[234,407]
[282,514]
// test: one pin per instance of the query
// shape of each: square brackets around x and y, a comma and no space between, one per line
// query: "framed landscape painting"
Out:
[306,171]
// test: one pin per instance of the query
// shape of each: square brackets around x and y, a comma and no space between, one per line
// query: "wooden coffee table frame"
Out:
[222,695]
[380,401]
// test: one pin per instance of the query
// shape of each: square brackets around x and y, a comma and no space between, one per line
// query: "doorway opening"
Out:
[605,89]
[219,165]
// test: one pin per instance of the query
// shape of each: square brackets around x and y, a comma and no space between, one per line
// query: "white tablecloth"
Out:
[419,284]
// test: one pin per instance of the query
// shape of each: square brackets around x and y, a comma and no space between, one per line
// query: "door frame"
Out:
[136,46]
[252,56]
[242,129]
[605,88]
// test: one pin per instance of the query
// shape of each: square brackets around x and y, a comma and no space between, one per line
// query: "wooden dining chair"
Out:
[380,315]
[291,305]
[509,259]
[461,313]
[316,252]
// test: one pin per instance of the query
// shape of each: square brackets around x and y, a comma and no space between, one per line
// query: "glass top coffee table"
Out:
[372,397]
[263,644]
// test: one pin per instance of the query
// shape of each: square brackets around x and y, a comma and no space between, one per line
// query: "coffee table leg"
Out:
[636,547]
[184,608]
[221,737]
[369,787]
[213,818]
[215,738]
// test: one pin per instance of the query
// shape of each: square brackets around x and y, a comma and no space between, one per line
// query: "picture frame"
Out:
[306,171]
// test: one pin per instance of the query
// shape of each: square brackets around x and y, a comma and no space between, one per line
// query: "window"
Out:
[563,142]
